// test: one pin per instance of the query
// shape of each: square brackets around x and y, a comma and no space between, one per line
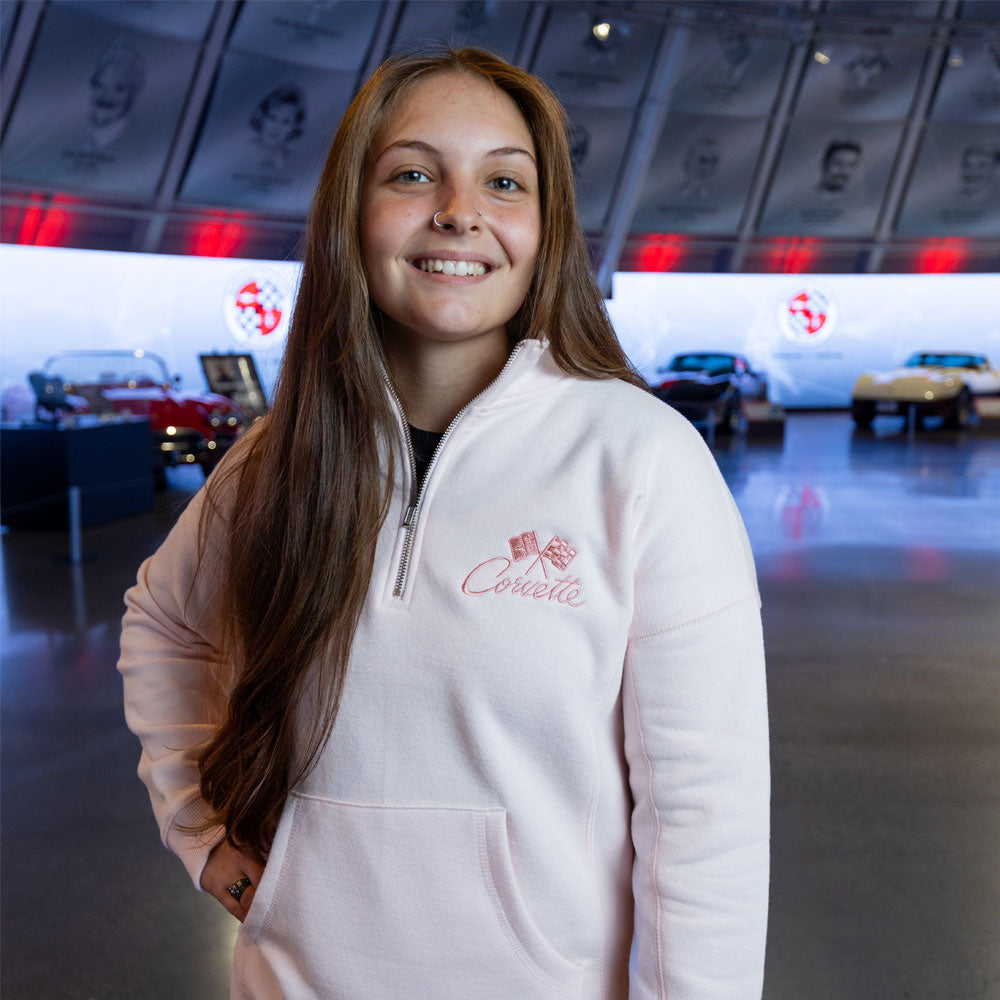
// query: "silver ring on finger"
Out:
[239,887]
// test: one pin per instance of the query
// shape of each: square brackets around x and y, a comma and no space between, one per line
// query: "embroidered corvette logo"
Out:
[539,580]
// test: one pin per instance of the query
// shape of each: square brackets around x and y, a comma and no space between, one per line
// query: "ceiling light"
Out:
[821,57]
[602,31]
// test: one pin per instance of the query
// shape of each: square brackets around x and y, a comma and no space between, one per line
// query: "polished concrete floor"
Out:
[879,562]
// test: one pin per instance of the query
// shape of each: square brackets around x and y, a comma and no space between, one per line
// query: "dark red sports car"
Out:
[188,427]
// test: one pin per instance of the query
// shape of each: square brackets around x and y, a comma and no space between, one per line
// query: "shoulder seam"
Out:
[751,596]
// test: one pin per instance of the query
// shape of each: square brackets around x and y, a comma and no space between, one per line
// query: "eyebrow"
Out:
[426,147]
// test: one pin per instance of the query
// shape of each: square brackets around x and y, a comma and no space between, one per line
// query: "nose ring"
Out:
[438,224]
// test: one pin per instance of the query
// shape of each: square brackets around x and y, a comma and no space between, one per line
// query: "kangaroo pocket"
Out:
[374,901]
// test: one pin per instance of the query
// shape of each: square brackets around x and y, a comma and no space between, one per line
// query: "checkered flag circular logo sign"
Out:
[807,316]
[255,307]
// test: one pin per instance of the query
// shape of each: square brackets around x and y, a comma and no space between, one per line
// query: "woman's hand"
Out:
[225,867]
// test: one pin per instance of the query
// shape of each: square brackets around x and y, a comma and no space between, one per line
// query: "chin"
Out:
[452,336]
[453,329]
[446,334]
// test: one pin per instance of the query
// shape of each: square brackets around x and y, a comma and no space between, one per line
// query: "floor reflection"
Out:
[830,485]
[880,577]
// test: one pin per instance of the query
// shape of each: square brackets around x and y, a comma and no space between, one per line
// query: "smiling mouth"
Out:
[462,268]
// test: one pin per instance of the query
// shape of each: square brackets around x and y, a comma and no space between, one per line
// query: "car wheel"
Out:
[917,416]
[862,414]
[735,421]
[961,414]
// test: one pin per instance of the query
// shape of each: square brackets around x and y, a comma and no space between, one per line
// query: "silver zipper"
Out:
[411,454]
[413,510]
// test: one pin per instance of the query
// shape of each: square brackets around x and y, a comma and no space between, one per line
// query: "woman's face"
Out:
[460,148]
[278,123]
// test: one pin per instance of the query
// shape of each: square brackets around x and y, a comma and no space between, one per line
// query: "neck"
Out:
[435,380]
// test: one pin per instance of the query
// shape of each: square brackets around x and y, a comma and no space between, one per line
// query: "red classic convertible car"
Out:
[188,427]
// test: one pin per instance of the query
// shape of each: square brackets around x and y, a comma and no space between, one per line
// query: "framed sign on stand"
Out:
[235,377]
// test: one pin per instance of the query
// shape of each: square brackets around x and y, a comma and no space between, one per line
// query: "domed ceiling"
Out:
[823,135]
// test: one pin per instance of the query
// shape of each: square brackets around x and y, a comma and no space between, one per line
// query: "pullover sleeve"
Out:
[174,688]
[696,739]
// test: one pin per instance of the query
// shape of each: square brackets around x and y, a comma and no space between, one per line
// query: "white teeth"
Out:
[462,268]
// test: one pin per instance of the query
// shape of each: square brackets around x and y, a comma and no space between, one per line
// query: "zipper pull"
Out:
[411,516]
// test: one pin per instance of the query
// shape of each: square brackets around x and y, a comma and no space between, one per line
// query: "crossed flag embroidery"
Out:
[558,552]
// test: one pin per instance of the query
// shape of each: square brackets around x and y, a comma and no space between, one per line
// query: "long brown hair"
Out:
[306,498]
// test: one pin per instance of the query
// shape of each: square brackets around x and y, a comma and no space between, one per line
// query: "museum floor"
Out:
[879,563]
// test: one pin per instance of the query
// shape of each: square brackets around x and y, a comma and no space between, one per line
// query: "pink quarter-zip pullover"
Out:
[552,745]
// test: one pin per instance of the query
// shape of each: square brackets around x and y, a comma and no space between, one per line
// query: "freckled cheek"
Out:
[528,236]
[526,246]
[386,230]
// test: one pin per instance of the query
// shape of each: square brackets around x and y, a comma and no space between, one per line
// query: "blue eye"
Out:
[505,184]
[412,177]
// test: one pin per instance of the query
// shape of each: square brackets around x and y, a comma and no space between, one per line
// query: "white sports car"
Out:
[940,383]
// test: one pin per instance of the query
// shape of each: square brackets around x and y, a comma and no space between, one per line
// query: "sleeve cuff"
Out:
[193,846]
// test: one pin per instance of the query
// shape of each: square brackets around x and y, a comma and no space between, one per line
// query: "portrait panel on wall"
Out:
[583,68]
[700,175]
[831,178]
[969,90]
[181,18]
[886,9]
[597,141]
[495,25]
[330,34]
[727,70]
[98,107]
[870,77]
[955,187]
[266,133]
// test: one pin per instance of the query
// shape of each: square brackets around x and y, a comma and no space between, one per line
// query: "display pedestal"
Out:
[110,463]
[988,413]
[764,419]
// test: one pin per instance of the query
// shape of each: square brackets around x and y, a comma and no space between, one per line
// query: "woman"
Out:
[474,722]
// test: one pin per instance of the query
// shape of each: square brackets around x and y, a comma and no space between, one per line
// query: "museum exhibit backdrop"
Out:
[600,88]
[752,145]
[99,105]
[177,307]
[284,83]
[813,334]
[700,174]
